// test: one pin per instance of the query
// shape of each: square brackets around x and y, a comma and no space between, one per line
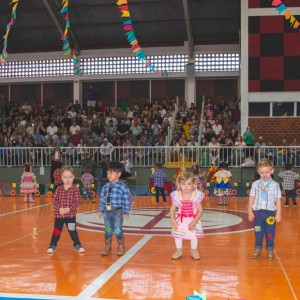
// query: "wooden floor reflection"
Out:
[225,270]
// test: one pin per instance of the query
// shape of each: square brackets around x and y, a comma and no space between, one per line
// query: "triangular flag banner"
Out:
[68,51]
[8,26]
[276,2]
[292,20]
[281,8]
[131,37]
[287,14]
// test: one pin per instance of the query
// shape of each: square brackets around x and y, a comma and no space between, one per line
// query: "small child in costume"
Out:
[66,200]
[223,186]
[199,176]
[28,183]
[159,177]
[87,180]
[186,223]
[264,208]
[288,184]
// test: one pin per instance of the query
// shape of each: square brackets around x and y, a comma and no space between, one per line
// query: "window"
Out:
[281,109]
[259,109]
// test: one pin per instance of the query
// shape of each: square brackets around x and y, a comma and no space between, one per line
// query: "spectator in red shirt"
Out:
[66,200]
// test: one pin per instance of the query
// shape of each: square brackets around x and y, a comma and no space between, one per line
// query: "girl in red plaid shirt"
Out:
[66,200]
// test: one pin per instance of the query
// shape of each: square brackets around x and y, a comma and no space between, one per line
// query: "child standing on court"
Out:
[87,180]
[114,206]
[65,200]
[264,208]
[223,186]
[288,184]
[186,222]
[159,177]
[28,183]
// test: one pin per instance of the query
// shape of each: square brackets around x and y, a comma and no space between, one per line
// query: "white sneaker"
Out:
[79,249]
[51,249]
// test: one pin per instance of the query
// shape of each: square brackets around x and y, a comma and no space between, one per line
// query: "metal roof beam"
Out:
[187,18]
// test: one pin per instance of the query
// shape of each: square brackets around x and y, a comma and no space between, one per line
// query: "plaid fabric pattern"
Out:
[57,176]
[159,177]
[120,196]
[87,180]
[66,198]
[288,179]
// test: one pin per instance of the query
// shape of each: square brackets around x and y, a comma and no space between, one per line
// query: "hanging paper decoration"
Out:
[132,39]
[281,8]
[68,51]
[8,26]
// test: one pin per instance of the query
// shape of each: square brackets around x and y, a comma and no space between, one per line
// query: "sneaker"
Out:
[195,254]
[256,253]
[79,249]
[295,205]
[270,254]
[51,249]
[285,205]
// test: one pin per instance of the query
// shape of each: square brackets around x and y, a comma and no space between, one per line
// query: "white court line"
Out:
[286,276]
[29,296]
[105,276]
[25,209]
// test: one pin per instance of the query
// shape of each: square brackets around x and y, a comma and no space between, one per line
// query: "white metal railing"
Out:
[147,156]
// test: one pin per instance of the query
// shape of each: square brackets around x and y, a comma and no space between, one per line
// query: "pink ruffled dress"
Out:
[28,184]
[187,210]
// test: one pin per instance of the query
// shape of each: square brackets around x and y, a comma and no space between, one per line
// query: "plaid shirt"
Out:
[288,179]
[66,198]
[159,177]
[120,196]
[87,179]
[57,176]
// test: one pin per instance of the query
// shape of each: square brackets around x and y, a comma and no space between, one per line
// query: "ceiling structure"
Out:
[97,24]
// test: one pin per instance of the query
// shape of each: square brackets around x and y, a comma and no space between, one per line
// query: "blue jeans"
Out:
[264,225]
[162,191]
[87,193]
[113,221]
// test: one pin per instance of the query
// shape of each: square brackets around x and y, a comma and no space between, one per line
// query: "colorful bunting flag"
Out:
[68,51]
[132,40]
[3,55]
[281,8]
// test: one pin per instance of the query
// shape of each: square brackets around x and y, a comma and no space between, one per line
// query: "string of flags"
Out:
[132,39]
[68,51]
[282,9]
[8,27]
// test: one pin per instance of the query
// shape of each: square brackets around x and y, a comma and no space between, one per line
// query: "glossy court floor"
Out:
[146,271]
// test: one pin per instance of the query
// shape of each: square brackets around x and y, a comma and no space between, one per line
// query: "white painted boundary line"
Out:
[286,276]
[29,296]
[105,276]
[25,209]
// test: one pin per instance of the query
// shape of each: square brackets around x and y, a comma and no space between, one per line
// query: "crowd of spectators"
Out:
[142,124]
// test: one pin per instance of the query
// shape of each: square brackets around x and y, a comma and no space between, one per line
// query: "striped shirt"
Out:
[66,198]
[159,177]
[120,196]
[268,201]
[289,177]
[87,180]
